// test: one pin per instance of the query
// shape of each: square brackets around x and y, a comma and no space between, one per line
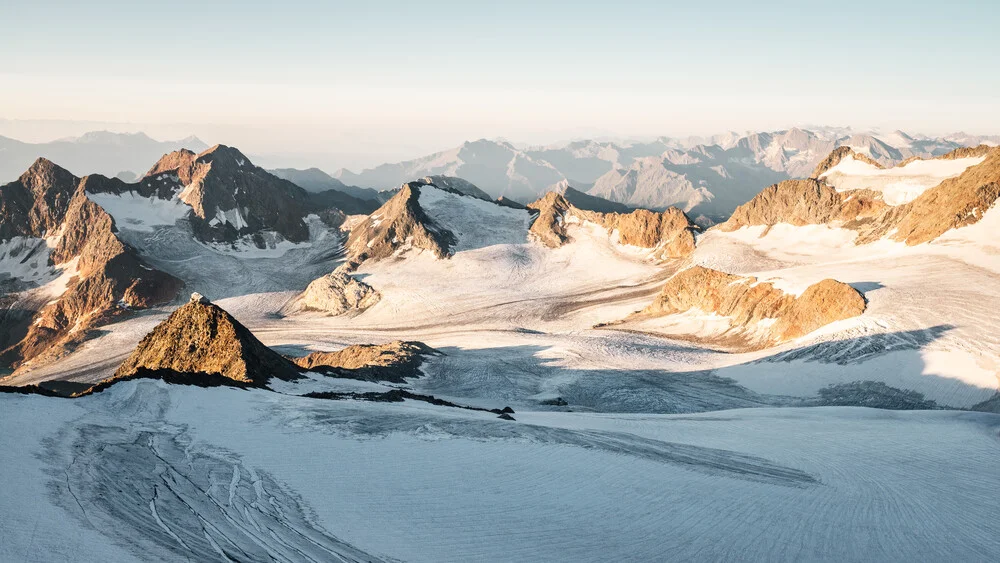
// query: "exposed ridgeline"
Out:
[229,197]
[670,232]
[392,362]
[399,222]
[59,228]
[852,192]
[759,313]
[839,154]
[202,344]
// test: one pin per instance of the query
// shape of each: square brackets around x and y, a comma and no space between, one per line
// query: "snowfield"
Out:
[627,444]
[147,471]
[898,185]
[132,211]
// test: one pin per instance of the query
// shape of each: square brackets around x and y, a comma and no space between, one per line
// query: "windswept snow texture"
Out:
[148,471]
[132,211]
[626,445]
[475,222]
[898,185]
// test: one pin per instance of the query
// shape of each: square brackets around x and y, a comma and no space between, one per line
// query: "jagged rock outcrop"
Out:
[955,202]
[839,154]
[399,223]
[454,184]
[757,310]
[229,196]
[48,202]
[550,225]
[806,202]
[338,293]
[392,362]
[670,232]
[201,340]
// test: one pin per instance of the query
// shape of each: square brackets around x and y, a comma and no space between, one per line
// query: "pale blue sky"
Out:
[358,78]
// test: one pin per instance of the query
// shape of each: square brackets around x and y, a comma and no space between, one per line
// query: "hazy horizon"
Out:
[353,85]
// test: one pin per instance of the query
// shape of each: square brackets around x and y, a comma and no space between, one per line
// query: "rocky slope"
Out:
[953,203]
[392,362]
[336,294]
[102,276]
[399,223]
[670,232]
[839,154]
[200,342]
[806,202]
[232,198]
[758,312]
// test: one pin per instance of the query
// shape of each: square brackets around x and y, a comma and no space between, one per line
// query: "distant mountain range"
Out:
[97,152]
[703,176]
[707,177]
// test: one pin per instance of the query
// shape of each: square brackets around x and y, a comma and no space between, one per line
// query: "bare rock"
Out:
[229,196]
[338,293]
[806,202]
[392,362]
[954,203]
[755,306]
[839,154]
[202,340]
[671,232]
[48,201]
[399,224]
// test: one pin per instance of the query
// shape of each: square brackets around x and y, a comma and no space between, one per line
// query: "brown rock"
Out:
[670,231]
[806,202]
[399,223]
[747,302]
[48,201]
[550,226]
[200,338]
[954,203]
[392,362]
[222,179]
[338,293]
[839,154]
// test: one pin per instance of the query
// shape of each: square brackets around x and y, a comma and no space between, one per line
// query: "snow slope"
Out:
[476,223]
[132,211]
[898,185]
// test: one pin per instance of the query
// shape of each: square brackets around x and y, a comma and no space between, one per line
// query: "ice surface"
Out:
[151,471]
[132,211]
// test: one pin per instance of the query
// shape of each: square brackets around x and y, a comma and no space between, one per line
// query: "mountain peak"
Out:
[223,151]
[199,341]
[839,154]
[47,174]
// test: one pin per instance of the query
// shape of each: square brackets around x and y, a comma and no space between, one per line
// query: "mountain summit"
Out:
[230,197]
[199,341]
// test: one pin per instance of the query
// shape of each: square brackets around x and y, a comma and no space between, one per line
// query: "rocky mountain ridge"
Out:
[709,177]
[956,201]
[200,340]
[103,275]
[760,314]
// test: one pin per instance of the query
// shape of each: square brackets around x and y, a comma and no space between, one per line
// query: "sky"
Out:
[357,83]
